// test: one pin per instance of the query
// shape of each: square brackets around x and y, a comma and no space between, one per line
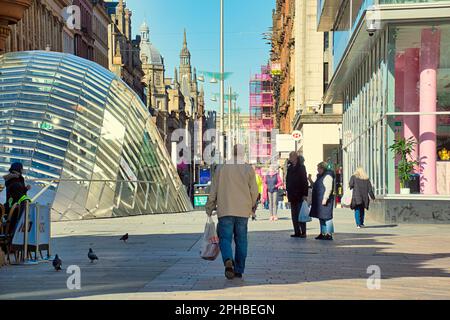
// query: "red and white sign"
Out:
[297,135]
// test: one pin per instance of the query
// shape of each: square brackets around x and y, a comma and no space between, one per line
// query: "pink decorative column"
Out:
[429,62]
[399,103]
[399,81]
[411,98]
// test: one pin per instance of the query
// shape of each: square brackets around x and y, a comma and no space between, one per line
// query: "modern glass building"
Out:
[392,74]
[70,120]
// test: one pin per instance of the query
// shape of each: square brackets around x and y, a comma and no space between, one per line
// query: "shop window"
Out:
[422,101]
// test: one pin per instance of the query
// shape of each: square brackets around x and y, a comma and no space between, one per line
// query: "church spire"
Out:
[185,62]
[185,55]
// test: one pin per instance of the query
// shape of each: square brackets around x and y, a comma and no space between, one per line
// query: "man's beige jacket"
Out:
[233,191]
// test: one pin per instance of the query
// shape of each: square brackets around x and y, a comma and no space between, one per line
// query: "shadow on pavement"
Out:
[171,262]
[381,226]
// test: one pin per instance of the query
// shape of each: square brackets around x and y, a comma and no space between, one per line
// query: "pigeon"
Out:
[92,256]
[124,237]
[57,263]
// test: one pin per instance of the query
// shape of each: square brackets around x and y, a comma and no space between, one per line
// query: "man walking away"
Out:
[297,191]
[233,195]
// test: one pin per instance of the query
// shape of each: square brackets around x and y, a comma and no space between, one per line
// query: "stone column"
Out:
[429,61]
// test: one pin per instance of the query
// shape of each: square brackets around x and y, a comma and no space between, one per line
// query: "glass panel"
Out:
[66,117]
[421,82]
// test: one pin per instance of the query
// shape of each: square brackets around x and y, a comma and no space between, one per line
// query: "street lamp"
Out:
[222,83]
[231,97]
[222,76]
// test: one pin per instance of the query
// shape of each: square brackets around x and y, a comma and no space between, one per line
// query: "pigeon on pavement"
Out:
[92,256]
[57,263]
[124,237]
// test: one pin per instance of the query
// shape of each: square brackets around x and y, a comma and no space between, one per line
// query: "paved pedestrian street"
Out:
[161,261]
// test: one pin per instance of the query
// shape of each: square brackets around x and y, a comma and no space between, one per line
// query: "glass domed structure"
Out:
[70,121]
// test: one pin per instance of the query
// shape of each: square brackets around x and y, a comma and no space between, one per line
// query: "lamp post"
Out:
[231,98]
[222,82]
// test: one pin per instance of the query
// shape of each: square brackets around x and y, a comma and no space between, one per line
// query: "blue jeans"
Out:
[227,228]
[359,215]
[326,226]
[280,204]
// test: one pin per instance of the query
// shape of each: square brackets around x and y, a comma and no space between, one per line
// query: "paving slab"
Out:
[161,261]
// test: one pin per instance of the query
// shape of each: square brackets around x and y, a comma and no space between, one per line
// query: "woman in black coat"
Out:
[323,201]
[362,189]
[297,191]
[16,191]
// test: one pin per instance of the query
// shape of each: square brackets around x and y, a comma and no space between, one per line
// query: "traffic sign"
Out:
[297,135]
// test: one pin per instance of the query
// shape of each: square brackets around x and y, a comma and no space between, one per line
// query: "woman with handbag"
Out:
[362,189]
[323,201]
[297,191]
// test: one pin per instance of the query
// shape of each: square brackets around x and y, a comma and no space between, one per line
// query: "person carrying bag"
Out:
[210,245]
[303,215]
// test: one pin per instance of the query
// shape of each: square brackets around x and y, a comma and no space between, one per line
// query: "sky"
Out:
[245,48]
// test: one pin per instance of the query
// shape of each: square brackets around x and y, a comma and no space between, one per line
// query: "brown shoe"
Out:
[229,269]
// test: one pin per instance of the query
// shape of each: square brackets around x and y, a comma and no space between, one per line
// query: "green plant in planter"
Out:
[404,147]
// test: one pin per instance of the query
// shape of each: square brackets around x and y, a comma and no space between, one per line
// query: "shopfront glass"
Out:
[420,55]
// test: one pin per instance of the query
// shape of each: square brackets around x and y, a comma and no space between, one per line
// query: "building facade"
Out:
[40,28]
[46,25]
[319,123]
[11,12]
[283,54]
[301,55]
[123,51]
[100,23]
[261,117]
[84,40]
[390,73]
[71,120]
[175,103]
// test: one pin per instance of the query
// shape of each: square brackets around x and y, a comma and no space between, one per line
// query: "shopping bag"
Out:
[304,213]
[210,244]
[346,199]
[309,198]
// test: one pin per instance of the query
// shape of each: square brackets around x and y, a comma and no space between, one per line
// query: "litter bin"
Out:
[414,183]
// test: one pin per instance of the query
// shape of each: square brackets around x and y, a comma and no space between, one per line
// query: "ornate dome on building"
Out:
[149,53]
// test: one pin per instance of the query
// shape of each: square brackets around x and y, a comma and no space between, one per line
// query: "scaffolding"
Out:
[261,116]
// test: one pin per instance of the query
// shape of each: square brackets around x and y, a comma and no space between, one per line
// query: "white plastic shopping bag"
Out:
[210,245]
[304,213]
[346,199]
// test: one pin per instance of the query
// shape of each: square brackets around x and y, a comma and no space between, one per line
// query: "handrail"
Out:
[89,180]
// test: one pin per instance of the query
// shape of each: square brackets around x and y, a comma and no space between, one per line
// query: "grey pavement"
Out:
[161,261]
